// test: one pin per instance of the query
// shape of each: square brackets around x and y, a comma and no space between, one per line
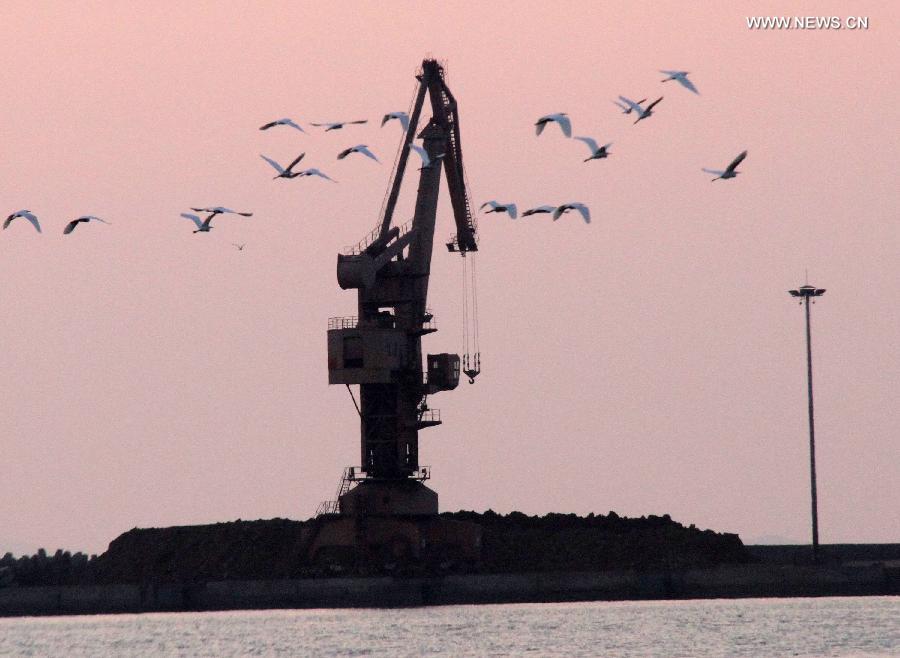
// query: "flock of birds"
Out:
[598,152]
[204,224]
[362,149]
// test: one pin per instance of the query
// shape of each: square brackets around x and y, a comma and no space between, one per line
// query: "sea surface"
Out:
[864,626]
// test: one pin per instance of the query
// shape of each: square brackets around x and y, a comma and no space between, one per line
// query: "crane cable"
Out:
[465,318]
[471,361]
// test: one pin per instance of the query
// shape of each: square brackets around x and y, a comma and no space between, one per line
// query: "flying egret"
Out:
[501,207]
[561,118]
[283,172]
[84,218]
[729,170]
[219,210]
[27,214]
[597,152]
[359,148]
[402,117]
[337,125]
[627,109]
[642,112]
[426,161]
[538,210]
[573,205]
[681,77]
[282,122]
[315,172]
[240,247]
[203,226]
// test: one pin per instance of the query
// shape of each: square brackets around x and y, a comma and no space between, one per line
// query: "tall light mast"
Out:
[807,293]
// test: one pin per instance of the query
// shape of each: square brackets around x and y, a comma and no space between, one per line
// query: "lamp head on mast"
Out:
[807,291]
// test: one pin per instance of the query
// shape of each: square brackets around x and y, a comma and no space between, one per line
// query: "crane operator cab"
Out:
[443,372]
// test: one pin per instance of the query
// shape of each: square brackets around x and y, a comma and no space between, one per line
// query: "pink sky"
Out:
[651,362]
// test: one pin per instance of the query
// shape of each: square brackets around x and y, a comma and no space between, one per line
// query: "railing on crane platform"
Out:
[353,475]
[429,324]
[372,236]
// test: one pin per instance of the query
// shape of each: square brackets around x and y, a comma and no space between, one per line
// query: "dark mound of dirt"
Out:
[250,550]
[277,548]
[566,542]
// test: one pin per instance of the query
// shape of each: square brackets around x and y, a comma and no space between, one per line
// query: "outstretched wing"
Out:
[584,210]
[539,209]
[592,144]
[687,83]
[295,161]
[512,210]
[653,104]
[34,220]
[715,172]
[402,117]
[630,103]
[365,151]
[289,122]
[277,167]
[71,225]
[564,123]
[316,172]
[193,218]
[738,160]
[422,154]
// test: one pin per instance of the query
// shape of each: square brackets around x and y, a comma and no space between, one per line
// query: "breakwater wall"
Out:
[733,581]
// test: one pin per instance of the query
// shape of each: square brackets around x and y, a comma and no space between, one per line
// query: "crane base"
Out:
[389,497]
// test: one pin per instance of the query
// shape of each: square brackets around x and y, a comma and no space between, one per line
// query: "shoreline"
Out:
[722,582]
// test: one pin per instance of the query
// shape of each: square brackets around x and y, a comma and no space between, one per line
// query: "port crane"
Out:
[380,349]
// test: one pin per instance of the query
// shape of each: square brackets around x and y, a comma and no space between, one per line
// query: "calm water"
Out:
[748,627]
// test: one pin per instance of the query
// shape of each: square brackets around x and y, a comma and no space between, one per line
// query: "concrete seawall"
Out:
[723,582]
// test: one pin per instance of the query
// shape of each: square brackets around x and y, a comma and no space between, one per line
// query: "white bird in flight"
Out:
[626,109]
[681,77]
[573,205]
[597,152]
[240,247]
[729,170]
[538,210]
[560,117]
[283,172]
[27,214]
[84,218]
[315,172]
[402,117]
[282,122]
[509,208]
[219,210]
[642,112]
[359,148]
[426,161]
[203,226]
[337,125]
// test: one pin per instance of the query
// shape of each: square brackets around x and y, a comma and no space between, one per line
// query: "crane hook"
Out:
[473,372]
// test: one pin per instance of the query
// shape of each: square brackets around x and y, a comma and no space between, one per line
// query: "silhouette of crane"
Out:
[380,349]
